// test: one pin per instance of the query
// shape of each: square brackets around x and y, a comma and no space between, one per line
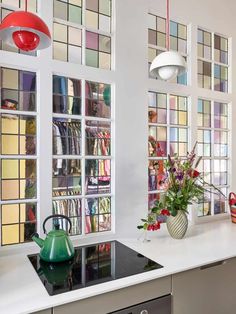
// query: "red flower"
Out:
[195,174]
[149,227]
[154,226]
[165,212]
[157,225]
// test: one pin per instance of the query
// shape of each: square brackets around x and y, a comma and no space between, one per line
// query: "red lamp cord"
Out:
[167,25]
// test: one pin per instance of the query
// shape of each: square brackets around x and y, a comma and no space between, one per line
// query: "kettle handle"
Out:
[57,216]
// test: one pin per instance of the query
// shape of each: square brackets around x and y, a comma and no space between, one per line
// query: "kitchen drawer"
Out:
[118,299]
[161,305]
[48,311]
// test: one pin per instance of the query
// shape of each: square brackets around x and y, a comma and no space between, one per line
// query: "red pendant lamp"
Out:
[25,30]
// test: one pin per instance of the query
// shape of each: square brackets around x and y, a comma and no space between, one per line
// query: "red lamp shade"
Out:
[25,30]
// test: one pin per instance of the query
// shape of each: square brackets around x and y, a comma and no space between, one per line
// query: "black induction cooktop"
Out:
[91,265]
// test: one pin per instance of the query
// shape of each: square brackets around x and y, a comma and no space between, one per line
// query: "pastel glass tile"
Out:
[161,24]
[92,5]
[152,37]
[60,32]
[105,7]
[182,31]
[161,100]
[182,45]
[10,234]
[152,21]
[91,40]
[74,54]
[173,134]
[75,36]
[9,78]
[104,44]
[173,43]
[161,40]
[105,23]
[207,38]
[200,36]
[92,58]
[60,10]
[104,61]
[60,51]
[75,14]
[182,79]
[152,53]
[224,44]
[173,29]
[91,19]
[217,71]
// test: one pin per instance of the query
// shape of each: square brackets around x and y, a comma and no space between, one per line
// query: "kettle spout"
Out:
[38,240]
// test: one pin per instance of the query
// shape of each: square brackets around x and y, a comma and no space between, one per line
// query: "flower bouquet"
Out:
[184,185]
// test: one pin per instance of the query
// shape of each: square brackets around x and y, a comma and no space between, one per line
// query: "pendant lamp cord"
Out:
[168,25]
[26,5]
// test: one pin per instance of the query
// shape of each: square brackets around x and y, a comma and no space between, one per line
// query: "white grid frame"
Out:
[84,28]
[163,49]
[23,157]
[45,67]
[213,62]
[83,157]
[212,157]
[168,125]
[195,92]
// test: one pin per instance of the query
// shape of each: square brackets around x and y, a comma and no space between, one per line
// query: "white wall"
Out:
[132,86]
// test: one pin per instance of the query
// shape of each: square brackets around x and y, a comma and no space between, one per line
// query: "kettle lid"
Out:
[57,233]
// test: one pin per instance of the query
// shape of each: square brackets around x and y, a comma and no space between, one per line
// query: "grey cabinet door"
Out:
[207,290]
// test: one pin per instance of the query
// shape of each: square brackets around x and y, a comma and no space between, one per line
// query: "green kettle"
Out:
[57,247]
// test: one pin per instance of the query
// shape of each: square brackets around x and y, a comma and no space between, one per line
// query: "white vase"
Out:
[178,225]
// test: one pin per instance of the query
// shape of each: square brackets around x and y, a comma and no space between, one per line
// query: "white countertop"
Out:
[21,291]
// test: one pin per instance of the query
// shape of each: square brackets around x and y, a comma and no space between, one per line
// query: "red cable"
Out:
[168,24]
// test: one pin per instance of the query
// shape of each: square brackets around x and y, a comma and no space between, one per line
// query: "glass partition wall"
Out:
[176,122]
[56,127]
[19,155]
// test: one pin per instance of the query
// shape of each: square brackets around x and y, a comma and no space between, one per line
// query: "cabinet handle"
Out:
[144,312]
[212,265]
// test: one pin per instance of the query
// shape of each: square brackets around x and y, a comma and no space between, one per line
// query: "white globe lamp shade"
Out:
[168,65]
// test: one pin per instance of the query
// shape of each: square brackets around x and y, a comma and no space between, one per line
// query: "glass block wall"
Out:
[168,134]
[157,41]
[18,115]
[213,61]
[213,145]
[82,32]
[82,154]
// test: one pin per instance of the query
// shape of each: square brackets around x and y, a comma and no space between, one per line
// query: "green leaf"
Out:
[140,227]
[174,212]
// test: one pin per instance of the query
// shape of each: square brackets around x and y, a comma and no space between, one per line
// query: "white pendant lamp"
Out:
[167,65]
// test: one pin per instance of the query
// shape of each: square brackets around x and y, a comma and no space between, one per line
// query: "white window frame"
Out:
[213,62]
[194,92]
[45,67]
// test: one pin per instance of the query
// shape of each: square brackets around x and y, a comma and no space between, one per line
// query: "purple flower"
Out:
[179,176]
